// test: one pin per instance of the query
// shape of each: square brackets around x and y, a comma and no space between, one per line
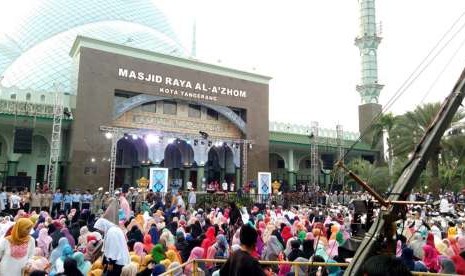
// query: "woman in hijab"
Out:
[447,266]
[83,233]
[130,269]
[148,245]
[286,234]
[172,256]
[111,213]
[277,234]
[158,253]
[135,234]
[181,246]
[209,240]
[417,244]
[93,250]
[308,249]
[57,252]
[55,233]
[153,232]
[431,258]
[70,268]
[115,250]
[197,253]
[17,247]
[58,266]
[333,249]
[82,264]
[158,270]
[272,249]
[68,236]
[44,241]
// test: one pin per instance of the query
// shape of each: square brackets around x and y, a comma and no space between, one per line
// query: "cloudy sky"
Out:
[307,47]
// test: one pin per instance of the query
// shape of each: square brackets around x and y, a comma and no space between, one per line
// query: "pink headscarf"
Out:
[431,258]
[333,249]
[43,241]
[139,249]
[196,253]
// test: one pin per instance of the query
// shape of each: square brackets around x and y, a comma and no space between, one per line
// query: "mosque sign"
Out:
[184,88]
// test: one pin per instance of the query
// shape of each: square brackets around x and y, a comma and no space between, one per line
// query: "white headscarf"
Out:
[114,244]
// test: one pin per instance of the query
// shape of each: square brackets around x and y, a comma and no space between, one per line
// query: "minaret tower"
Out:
[367,42]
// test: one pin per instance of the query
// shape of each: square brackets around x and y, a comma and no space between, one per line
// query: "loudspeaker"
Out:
[23,140]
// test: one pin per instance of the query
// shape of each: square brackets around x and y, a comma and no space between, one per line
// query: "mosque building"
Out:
[95,93]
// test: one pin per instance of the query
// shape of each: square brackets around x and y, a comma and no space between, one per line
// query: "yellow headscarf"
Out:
[20,232]
[172,256]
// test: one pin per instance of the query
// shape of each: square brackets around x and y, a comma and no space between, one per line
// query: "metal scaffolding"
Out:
[315,158]
[55,145]
[340,148]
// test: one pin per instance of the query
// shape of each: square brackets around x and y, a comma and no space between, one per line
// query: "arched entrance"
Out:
[131,154]
[179,159]
[220,165]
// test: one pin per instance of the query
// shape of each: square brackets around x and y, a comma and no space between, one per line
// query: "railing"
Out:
[295,265]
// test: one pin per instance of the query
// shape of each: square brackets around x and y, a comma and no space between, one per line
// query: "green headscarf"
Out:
[340,238]
[301,236]
[83,265]
[158,253]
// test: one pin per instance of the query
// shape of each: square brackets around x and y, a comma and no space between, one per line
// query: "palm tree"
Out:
[410,128]
[380,129]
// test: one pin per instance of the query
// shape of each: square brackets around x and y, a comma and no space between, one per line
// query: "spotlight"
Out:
[108,135]
[171,141]
[188,141]
[151,139]
[126,136]
[134,137]
[250,146]
[92,160]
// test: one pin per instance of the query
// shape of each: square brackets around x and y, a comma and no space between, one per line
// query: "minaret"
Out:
[367,42]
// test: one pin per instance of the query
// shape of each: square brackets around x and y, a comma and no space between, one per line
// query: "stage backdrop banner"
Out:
[159,180]
[264,183]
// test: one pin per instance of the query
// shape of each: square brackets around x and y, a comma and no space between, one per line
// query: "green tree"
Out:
[408,130]
[375,176]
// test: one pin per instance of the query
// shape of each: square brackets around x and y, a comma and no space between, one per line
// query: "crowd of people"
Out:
[119,236]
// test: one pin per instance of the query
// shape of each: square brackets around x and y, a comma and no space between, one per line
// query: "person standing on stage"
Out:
[67,202]
[76,200]
[26,199]
[57,199]
[48,195]
[97,200]
[86,200]
[224,186]
[15,203]
[192,199]
[3,200]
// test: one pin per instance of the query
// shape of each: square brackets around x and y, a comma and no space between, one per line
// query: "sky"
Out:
[307,47]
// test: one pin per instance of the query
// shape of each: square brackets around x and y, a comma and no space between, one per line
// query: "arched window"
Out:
[28,96]
[13,96]
[42,98]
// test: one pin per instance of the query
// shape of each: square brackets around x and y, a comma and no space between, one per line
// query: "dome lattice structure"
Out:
[34,53]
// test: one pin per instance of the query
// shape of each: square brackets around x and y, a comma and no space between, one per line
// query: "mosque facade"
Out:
[133,99]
